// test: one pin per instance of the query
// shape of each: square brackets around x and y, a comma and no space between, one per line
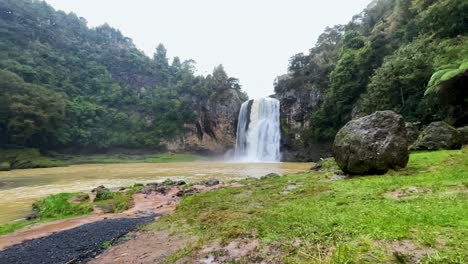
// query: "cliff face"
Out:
[214,128]
[297,106]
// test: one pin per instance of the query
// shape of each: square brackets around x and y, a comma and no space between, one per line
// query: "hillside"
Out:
[65,85]
[381,60]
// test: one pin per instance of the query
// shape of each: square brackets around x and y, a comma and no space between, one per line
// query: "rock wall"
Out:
[214,129]
[297,105]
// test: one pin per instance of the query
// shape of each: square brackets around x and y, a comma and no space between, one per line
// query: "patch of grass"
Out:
[31,158]
[344,221]
[58,206]
[116,202]
[122,158]
[53,207]
[106,244]
[9,228]
[26,159]
[179,254]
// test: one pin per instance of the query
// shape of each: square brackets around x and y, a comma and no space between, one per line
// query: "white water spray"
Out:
[258,131]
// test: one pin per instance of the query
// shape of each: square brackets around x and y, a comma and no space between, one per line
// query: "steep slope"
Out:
[382,60]
[66,85]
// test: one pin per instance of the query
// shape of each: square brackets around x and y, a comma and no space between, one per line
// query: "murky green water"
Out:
[19,188]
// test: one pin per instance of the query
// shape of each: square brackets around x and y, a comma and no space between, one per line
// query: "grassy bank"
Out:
[31,158]
[124,158]
[26,159]
[402,216]
[68,205]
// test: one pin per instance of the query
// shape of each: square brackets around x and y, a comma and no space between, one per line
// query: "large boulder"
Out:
[412,132]
[438,135]
[372,144]
[464,133]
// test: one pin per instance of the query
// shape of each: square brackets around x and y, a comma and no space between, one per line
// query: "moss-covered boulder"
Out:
[412,132]
[464,133]
[438,135]
[372,144]
[5,166]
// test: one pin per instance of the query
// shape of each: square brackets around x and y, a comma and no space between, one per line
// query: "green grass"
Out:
[123,158]
[53,207]
[31,158]
[344,221]
[57,207]
[116,202]
[25,159]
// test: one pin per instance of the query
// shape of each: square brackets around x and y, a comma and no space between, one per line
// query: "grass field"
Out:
[32,158]
[419,213]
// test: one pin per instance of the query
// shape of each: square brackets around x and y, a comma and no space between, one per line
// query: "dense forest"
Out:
[63,84]
[383,60]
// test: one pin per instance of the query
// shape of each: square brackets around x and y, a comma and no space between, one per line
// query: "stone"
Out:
[100,192]
[464,133]
[211,182]
[270,175]
[316,166]
[412,132]
[372,144]
[438,135]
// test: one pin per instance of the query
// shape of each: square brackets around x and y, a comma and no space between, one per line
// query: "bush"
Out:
[27,158]
[5,166]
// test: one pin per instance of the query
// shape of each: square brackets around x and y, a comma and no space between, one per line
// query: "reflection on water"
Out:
[19,188]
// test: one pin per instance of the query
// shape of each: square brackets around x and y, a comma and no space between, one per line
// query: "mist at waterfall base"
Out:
[258,131]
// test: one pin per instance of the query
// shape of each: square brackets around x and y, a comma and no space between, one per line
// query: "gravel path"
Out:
[71,246]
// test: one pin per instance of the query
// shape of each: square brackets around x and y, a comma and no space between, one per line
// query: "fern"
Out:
[445,73]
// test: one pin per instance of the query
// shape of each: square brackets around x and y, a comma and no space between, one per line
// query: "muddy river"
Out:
[19,188]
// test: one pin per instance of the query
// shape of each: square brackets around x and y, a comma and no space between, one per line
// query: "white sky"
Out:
[253,39]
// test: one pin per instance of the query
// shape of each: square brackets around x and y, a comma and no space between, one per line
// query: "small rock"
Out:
[180,183]
[32,216]
[100,191]
[338,177]
[317,166]
[211,182]
[168,182]
[187,192]
[270,175]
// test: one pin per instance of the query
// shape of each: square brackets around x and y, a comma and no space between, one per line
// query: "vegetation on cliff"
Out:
[63,84]
[383,60]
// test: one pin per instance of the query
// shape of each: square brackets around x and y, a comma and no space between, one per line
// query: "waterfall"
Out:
[258,131]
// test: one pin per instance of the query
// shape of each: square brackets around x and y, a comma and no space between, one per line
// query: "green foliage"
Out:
[65,85]
[383,60]
[447,73]
[106,244]
[5,166]
[400,82]
[58,206]
[346,221]
[26,159]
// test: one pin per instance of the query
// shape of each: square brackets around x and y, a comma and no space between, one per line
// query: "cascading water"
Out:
[258,131]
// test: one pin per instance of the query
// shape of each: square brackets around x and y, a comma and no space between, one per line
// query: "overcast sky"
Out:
[253,39]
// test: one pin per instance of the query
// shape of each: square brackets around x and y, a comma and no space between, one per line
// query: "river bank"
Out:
[413,215]
[20,188]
